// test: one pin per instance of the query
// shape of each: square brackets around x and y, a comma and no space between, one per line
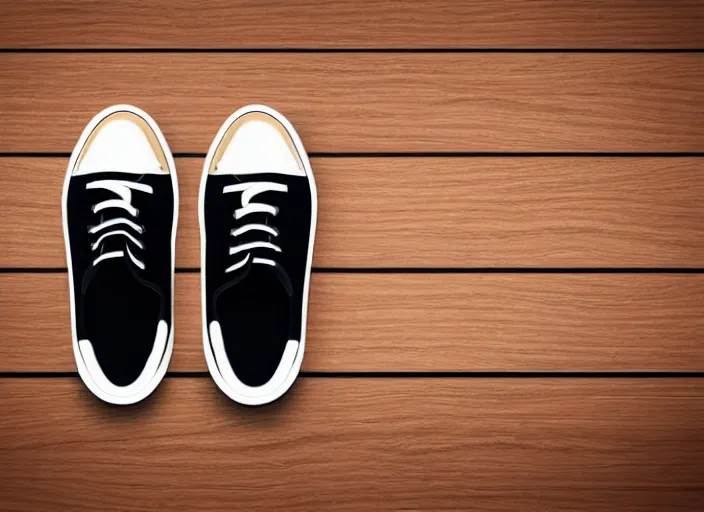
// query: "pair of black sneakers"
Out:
[257,209]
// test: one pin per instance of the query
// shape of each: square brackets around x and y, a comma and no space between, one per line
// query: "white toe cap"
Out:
[120,143]
[259,144]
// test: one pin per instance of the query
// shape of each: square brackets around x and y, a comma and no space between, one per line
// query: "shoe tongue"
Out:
[111,244]
[280,275]
[105,272]
[262,272]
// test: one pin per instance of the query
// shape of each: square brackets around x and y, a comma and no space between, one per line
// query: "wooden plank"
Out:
[370,102]
[352,24]
[433,212]
[421,322]
[463,444]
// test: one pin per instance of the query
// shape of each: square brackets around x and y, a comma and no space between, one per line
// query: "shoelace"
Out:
[124,190]
[249,190]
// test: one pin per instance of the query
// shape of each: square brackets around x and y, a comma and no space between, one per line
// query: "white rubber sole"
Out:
[284,378]
[147,383]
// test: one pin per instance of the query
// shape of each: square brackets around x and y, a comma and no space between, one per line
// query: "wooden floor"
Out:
[507,305]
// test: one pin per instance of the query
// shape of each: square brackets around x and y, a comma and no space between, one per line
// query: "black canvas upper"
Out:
[119,305]
[258,306]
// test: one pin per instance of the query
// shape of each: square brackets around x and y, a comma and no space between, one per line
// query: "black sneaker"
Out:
[120,207]
[257,209]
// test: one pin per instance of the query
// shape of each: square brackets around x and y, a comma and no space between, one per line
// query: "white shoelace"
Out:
[124,190]
[249,190]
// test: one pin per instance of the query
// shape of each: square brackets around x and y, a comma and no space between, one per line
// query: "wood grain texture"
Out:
[369,102]
[352,24]
[468,443]
[431,322]
[370,444]
[432,212]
